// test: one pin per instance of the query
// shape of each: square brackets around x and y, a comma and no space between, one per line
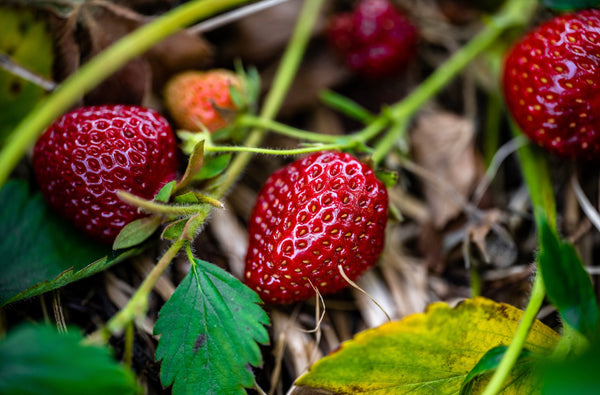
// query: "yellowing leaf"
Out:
[428,353]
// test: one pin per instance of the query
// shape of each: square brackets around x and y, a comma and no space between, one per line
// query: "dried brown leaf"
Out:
[442,143]
[85,29]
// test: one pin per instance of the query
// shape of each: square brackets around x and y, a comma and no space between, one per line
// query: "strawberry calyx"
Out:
[177,206]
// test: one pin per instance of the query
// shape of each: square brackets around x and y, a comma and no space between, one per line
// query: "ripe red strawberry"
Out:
[375,40]
[319,212]
[87,155]
[196,99]
[552,85]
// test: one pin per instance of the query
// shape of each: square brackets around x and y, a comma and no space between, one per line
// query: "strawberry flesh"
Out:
[318,213]
[87,155]
[552,85]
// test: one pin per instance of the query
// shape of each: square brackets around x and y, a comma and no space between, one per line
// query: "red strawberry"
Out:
[87,155]
[552,85]
[197,99]
[375,40]
[319,212]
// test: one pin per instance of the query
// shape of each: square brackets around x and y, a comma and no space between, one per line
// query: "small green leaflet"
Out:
[136,232]
[209,330]
[213,166]
[39,360]
[38,251]
[488,364]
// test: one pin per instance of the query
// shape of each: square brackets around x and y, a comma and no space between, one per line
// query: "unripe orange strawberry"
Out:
[199,100]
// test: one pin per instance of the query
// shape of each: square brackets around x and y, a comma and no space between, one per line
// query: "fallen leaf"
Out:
[429,353]
[443,143]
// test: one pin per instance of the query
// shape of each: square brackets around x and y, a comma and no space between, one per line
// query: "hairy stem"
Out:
[138,304]
[267,124]
[99,68]
[537,177]
[269,151]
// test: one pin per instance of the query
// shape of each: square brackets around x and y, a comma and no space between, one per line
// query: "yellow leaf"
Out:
[428,353]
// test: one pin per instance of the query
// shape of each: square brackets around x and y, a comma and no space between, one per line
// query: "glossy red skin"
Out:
[87,155]
[375,40]
[551,85]
[319,212]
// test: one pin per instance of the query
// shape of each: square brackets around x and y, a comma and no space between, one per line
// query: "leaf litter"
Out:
[423,261]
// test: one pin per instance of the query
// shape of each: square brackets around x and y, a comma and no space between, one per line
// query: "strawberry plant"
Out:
[443,250]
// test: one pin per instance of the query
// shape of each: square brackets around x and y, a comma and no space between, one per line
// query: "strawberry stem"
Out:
[99,68]
[253,121]
[537,177]
[269,151]
[138,304]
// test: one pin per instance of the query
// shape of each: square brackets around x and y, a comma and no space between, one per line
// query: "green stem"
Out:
[286,72]
[537,177]
[99,68]
[513,351]
[268,151]
[138,304]
[396,132]
[267,124]
[491,140]
[514,12]
[150,206]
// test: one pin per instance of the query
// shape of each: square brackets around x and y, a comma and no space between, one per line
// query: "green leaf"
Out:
[175,229]
[209,330]
[165,192]
[136,232]
[568,285]
[488,364]
[213,166]
[186,198]
[27,42]
[39,251]
[430,353]
[389,178]
[569,5]
[39,360]
[577,375]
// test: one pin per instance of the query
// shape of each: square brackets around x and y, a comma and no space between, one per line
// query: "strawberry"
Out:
[198,100]
[87,155]
[375,40]
[552,85]
[319,212]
